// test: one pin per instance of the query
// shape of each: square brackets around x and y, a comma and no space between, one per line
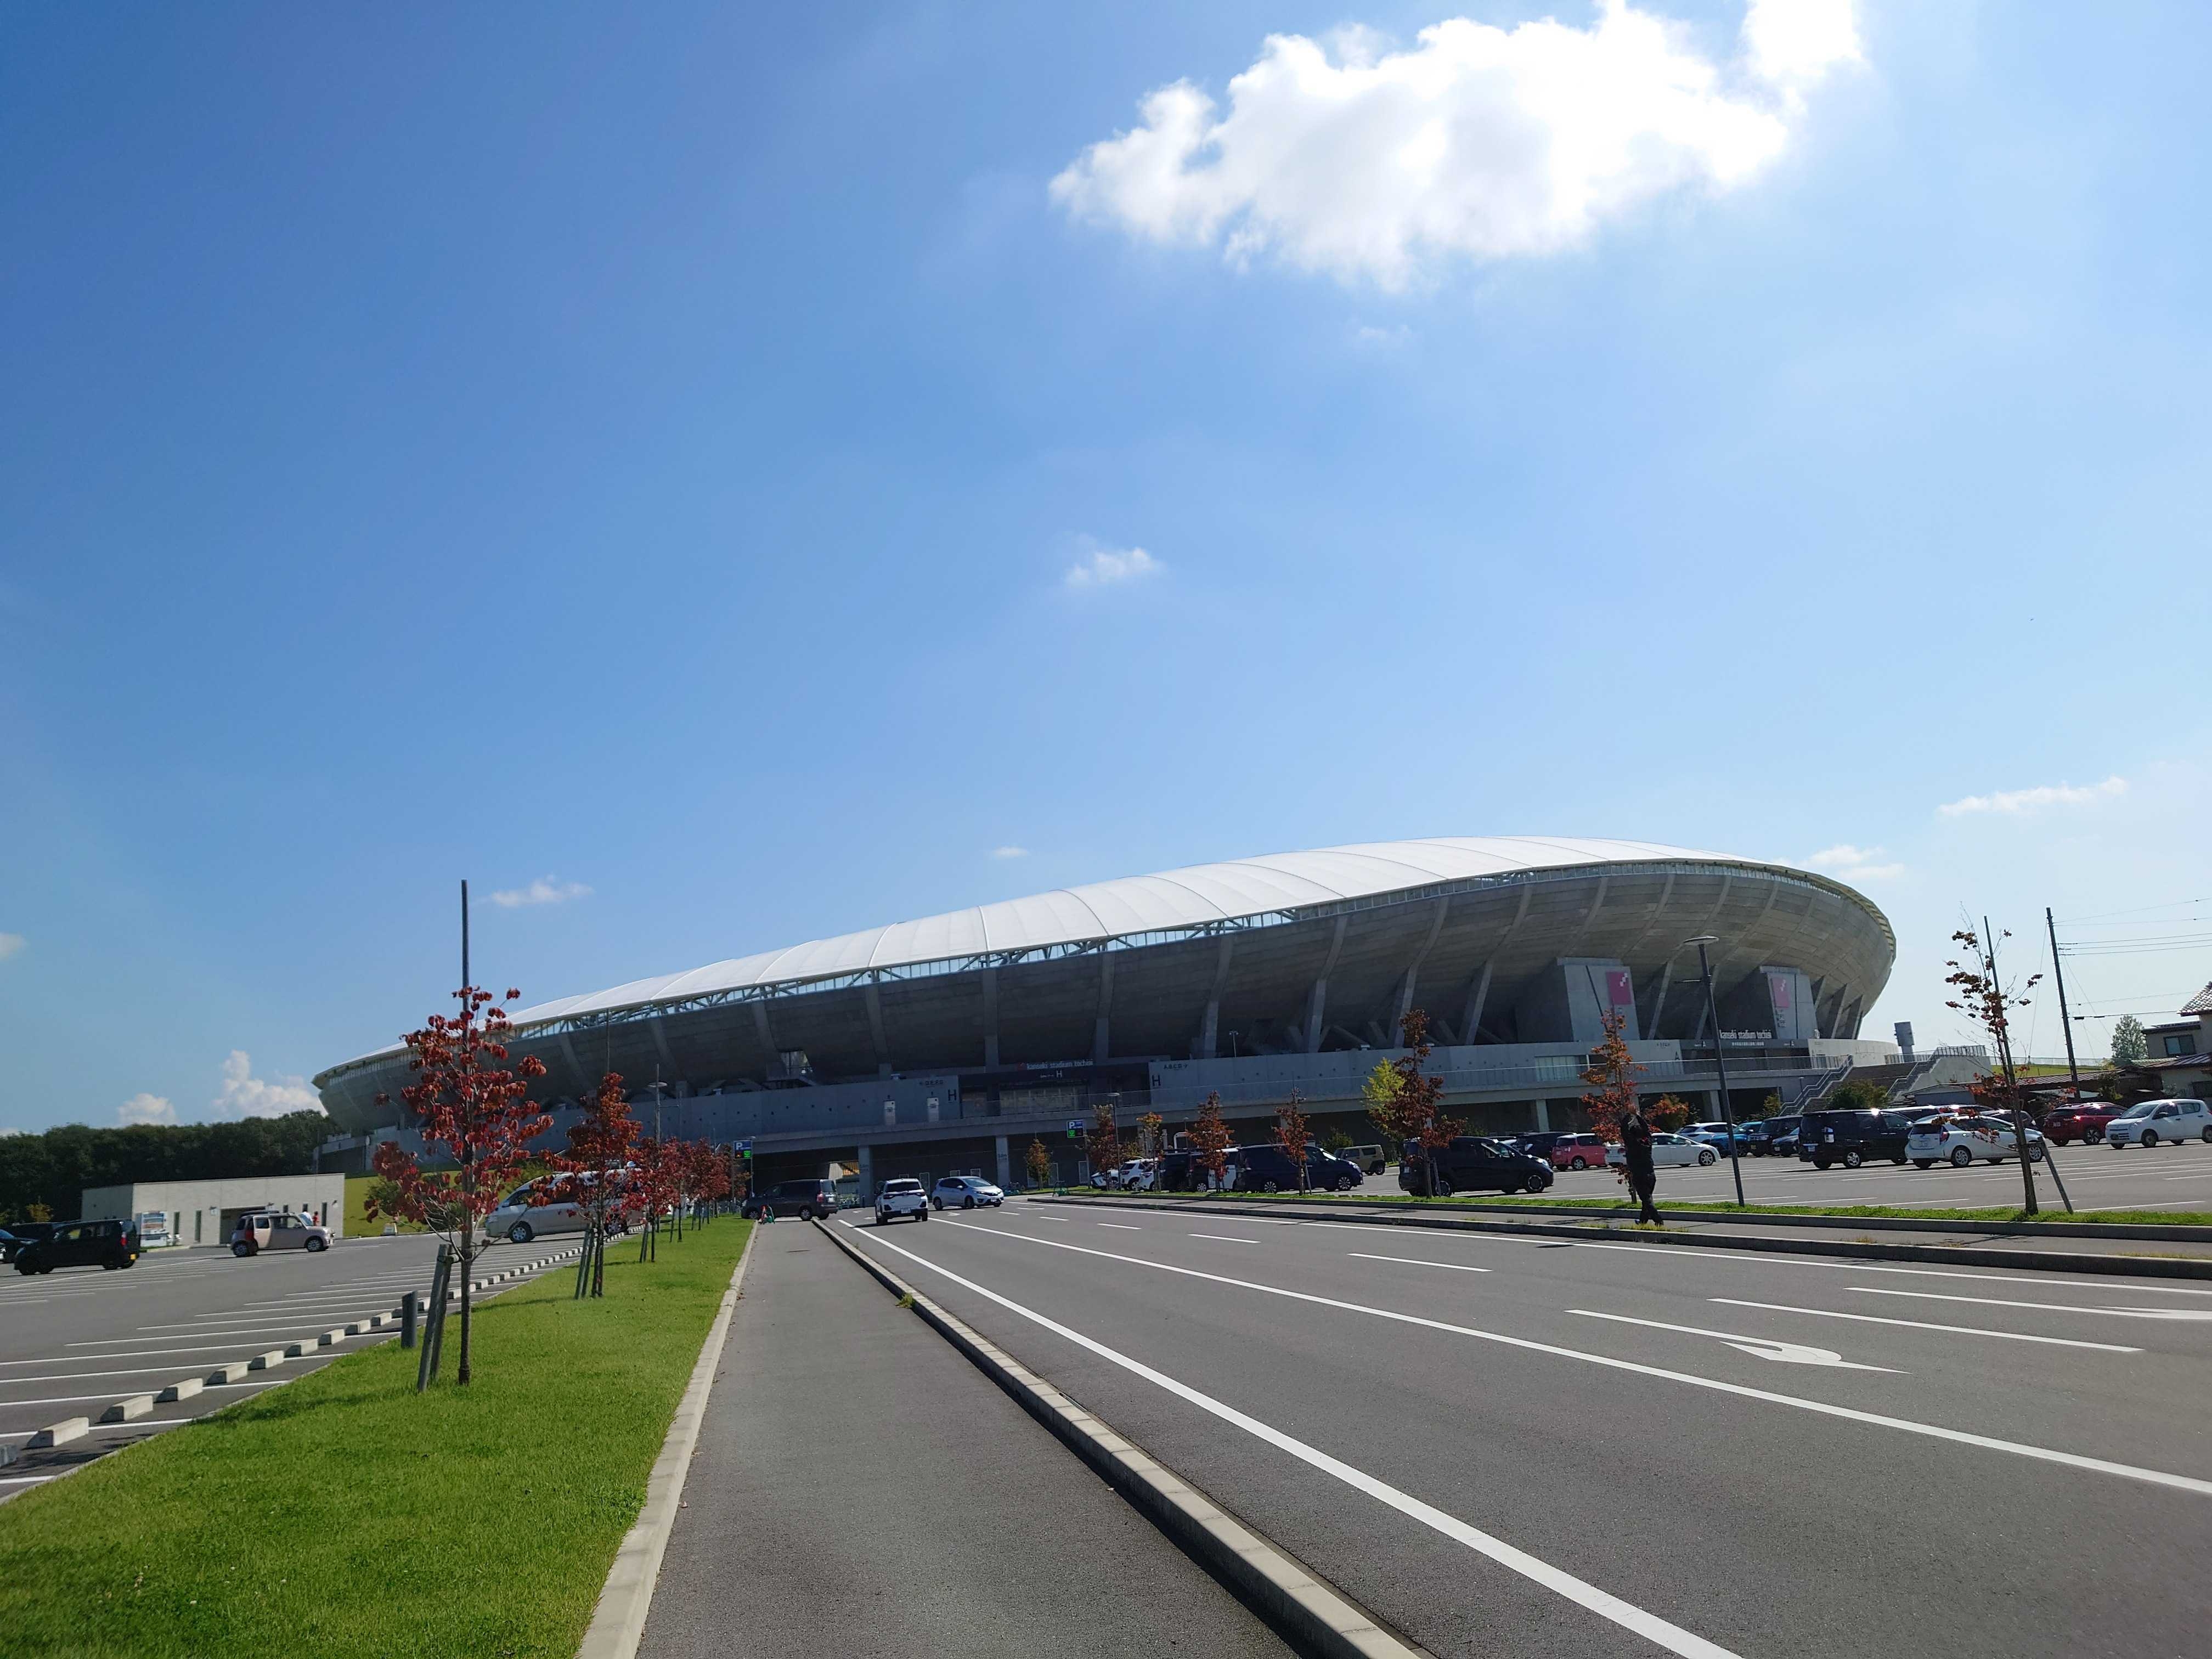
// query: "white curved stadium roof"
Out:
[1172,900]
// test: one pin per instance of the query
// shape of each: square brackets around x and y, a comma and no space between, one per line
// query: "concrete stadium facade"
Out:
[943,1040]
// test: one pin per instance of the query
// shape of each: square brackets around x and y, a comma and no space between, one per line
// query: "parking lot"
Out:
[2177,1177]
[77,1341]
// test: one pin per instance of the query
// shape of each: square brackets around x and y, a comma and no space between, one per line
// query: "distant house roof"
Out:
[2199,1003]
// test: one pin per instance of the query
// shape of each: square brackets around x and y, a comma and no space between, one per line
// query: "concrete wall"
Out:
[196,1209]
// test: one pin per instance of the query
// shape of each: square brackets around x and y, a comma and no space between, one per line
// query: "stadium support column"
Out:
[1208,1046]
[1317,998]
[1105,1006]
[867,1162]
[1477,995]
[1006,1163]
[990,1017]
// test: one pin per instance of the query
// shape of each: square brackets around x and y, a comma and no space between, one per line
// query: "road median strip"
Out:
[1313,1616]
[1600,1227]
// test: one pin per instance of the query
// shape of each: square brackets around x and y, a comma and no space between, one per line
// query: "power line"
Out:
[2171,904]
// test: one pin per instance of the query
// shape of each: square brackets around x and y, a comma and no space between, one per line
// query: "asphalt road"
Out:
[2173,1177]
[1553,1448]
[858,1487]
[75,1340]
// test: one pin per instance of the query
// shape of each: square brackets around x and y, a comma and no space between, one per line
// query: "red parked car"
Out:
[2079,1120]
[1578,1152]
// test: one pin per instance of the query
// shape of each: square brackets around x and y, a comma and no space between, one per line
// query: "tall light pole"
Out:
[1720,1058]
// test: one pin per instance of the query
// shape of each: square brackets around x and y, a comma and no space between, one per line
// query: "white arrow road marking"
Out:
[2193,1314]
[1760,1347]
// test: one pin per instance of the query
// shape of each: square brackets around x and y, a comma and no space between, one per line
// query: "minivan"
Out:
[1828,1139]
[1266,1168]
[1473,1163]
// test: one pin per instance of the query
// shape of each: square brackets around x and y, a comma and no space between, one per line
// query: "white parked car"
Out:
[2156,1122]
[1959,1137]
[277,1229]
[1138,1175]
[902,1196]
[1666,1149]
[964,1192]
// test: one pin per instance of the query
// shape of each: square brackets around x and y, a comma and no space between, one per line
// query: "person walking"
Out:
[1636,1153]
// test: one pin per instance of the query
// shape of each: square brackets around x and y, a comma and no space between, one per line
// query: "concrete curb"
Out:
[618,1622]
[1309,1614]
[2067,1261]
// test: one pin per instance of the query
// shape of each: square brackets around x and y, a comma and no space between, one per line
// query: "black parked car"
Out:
[109,1244]
[1266,1168]
[1850,1139]
[804,1199]
[17,1234]
[1179,1172]
[1475,1164]
[1537,1145]
[1759,1138]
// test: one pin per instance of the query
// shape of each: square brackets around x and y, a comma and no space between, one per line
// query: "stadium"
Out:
[949,1042]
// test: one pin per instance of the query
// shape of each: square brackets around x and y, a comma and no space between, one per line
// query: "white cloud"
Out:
[1010,851]
[1103,567]
[543,891]
[1479,143]
[1850,863]
[145,1109]
[2026,801]
[245,1094]
[1368,334]
[9,944]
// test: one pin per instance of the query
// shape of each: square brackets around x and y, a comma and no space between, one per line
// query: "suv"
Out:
[1266,1168]
[964,1192]
[1828,1139]
[804,1199]
[903,1196]
[108,1245]
[1370,1158]
[2156,1122]
[1472,1162]
[2079,1120]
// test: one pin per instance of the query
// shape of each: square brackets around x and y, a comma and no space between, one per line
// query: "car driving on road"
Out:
[2159,1122]
[804,1199]
[963,1193]
[1666,1149]
[902,1196]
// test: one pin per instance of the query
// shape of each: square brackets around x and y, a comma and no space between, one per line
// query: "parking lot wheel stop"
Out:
[1313,1617]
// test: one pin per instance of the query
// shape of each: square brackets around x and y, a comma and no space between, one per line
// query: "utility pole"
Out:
[1720,1064]
[2065,1021]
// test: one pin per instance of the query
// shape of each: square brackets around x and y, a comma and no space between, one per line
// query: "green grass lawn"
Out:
[2052,1209]
[345,1515]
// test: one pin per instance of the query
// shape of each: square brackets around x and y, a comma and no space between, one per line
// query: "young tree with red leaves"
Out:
[1104,1144]
[1989,1002]
[1210,1138]
[468,1100]
[1152,1135]
[1290,1135]
[602,1146]
[1038,1161]
[1411,1108]
[1611,1075]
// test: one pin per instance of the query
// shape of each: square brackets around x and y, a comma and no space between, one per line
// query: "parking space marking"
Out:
[1744,1391]
[1643,1623]
[1923,1325]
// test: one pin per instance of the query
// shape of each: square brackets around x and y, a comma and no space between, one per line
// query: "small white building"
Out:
[205,1211]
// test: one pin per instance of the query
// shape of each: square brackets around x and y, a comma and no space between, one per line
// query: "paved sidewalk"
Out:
[859,1488]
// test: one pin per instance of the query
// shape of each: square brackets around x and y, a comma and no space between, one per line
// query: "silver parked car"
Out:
[518,1221]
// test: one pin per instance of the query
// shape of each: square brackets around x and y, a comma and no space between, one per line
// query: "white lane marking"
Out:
[1414,1261]
[23,1479]
[1923,1325]
[1781,1259]
[1760,1347]
[1224,1238]
[1744,1391]
[1649,1625]
[2192,1315]
[1121,1226]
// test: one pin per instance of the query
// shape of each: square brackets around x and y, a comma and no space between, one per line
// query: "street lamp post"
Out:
[1720,1059]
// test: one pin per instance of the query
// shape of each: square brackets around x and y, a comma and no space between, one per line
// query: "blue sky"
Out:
[694,461]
